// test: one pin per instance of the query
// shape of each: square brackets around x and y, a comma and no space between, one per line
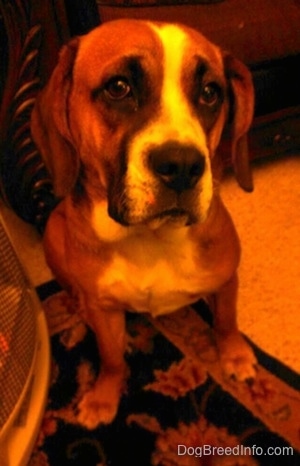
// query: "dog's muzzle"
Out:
[169,192]
[177,166]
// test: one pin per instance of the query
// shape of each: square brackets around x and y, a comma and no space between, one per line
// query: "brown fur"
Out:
[156,262]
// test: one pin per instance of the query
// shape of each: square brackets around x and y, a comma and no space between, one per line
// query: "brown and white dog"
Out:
[128,126]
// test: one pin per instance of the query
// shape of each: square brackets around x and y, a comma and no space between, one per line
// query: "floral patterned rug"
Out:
[177,409]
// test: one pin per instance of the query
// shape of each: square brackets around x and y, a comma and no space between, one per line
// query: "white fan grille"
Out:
[17,329]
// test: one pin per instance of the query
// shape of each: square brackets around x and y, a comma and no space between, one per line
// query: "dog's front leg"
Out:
[236,356]
[100,404]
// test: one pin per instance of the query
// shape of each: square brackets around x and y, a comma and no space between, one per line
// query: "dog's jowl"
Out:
[128,127]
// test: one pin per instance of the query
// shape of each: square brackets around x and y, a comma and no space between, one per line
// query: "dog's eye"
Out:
[117,89]
[210,94]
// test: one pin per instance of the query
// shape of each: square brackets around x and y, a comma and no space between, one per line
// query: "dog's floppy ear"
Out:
[49,124]
[241,113]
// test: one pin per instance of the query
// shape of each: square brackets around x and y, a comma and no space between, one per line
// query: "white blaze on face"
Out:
[175,122]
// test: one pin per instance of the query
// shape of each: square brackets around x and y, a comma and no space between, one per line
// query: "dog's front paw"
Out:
[237,358]
[93,411]
[100,404]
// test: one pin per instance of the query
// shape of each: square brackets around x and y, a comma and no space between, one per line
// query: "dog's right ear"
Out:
[241,93]
[50,127]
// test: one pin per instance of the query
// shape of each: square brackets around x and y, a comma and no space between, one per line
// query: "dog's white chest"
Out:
[154,275]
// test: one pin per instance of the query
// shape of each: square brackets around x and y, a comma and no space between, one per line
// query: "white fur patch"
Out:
[155,271]
[175,122]
[106,228]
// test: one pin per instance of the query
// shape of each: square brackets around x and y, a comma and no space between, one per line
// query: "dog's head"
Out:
[132,117]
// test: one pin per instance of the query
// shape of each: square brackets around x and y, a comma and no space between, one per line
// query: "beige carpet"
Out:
[268,222]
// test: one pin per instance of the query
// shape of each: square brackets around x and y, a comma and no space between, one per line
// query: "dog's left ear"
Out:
[241,92]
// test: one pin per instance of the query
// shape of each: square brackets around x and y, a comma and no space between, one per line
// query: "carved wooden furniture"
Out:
[31,35]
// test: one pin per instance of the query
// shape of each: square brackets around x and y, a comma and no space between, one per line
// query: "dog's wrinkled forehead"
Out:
[156,45]
[111,43]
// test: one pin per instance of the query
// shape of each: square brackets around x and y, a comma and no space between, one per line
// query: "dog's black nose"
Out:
[178,166]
